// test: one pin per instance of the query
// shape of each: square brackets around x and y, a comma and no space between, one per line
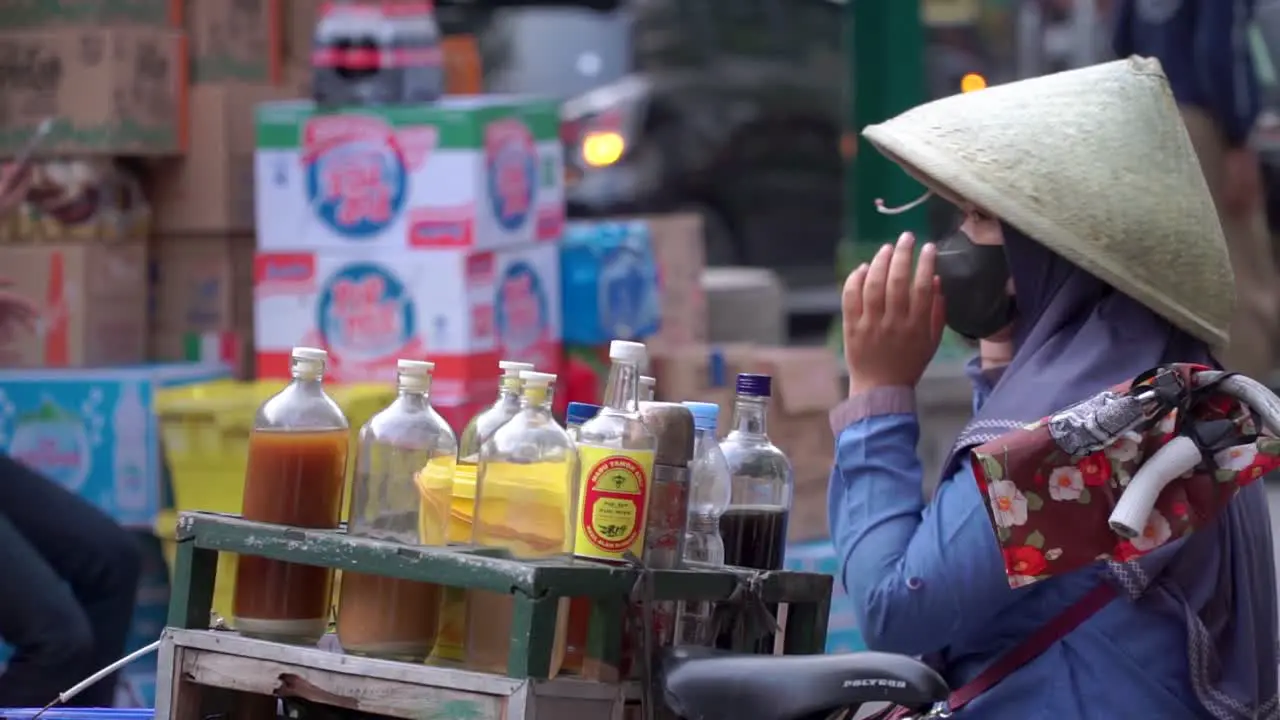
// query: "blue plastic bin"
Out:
[81,714]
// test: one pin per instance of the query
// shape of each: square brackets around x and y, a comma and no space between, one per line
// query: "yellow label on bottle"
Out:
[612,499]
[435,490]
[451,631]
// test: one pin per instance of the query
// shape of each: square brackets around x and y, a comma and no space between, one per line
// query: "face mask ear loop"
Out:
[884,210]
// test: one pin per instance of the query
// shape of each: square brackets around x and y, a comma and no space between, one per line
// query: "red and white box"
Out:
[462,309]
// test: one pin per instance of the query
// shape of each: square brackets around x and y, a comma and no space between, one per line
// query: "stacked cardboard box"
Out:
[202,247]
[411,232]
[112,78]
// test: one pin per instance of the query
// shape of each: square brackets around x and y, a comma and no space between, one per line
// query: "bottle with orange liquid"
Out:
[401,493]
[453,607]
[524,503]
[296,470]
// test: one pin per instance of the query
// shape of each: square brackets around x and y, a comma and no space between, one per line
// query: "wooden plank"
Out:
[329,548]
[338,689]
[227,643]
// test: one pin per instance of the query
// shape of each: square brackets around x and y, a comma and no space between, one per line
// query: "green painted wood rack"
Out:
[537,586]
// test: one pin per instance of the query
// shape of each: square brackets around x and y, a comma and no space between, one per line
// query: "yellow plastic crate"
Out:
[205,429]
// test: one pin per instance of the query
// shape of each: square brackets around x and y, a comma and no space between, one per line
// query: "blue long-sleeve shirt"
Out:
[930,578]
[1204,48]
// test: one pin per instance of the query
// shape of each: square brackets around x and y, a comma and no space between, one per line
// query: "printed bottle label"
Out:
[612,501]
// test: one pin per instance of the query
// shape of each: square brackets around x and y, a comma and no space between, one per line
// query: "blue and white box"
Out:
[610,279]
[95,432]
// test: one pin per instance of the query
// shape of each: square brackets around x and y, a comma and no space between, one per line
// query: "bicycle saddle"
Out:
[704,684]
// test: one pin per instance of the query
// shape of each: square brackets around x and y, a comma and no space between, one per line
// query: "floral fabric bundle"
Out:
[1049,502]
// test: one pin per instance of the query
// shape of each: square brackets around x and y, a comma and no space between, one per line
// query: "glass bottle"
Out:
[615,450]
[579,607]
[754,526]
[648,388]
[452,632]
[524,503]
[709,493]
[402,491]
[295,475]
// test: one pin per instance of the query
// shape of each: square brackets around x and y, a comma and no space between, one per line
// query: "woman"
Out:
[1090,252]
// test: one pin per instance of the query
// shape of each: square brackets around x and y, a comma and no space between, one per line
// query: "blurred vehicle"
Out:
[733,109]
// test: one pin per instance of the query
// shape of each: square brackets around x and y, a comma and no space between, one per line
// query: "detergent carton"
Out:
[818,556]
[369,306]
[610,279]
[94,431]
[481,172]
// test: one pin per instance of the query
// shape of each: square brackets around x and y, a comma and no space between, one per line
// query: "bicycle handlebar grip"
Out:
[1129,517]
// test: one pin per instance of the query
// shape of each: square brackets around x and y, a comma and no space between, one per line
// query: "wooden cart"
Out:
[204,672]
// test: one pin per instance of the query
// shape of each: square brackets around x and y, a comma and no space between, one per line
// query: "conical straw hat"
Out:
[1096,165]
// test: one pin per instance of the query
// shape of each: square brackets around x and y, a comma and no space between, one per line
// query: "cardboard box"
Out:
[111,90]
[462,309]
[15,14]
[679,249]
[202,283]
[210,189]
[94,431]
[299,21]
[483,172]
[236,41]
[91,301]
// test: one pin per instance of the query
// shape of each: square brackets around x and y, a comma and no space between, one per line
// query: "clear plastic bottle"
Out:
[402,492]
[616,451]
[579,608]
[710,488]
[452,633]
[754,526]
[524,503]
[296,471]
[648,388]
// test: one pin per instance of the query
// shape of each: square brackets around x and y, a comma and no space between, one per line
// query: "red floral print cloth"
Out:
[1050,509]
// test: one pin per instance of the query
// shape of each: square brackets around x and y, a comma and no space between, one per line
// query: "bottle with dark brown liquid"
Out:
[402,491]
[754,527]
[296,470]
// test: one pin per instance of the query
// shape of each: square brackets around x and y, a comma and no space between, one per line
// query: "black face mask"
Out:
[975,286]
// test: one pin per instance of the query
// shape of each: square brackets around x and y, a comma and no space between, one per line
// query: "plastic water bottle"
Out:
[710,486]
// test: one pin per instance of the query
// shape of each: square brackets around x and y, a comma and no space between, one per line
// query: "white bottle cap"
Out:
[420,368]
[310,353]
[511,367]
[532,377]
[628,351]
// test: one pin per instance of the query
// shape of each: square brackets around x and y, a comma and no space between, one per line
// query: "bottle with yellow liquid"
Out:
[452,632]
[616,451]
[524,503]
[401,493]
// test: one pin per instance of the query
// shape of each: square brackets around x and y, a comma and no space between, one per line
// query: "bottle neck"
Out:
[307,378]
[750,416]
[622,391]
[704,524]
[415,395]
[536,397]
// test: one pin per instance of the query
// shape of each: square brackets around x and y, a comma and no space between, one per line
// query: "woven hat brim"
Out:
[961,185]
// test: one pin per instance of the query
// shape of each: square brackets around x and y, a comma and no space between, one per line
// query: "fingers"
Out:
[898,285]
[852,304]
[873,289]
[923,286]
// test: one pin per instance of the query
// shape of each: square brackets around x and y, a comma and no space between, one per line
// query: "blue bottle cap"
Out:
[753,385]
[705,415]
[578,413]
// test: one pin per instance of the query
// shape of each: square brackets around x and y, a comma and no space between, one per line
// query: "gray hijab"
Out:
[1077,336]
